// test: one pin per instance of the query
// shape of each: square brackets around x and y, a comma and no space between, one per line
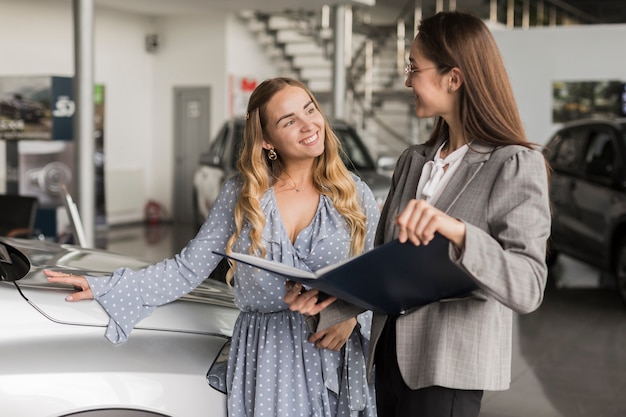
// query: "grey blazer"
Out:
[501,194]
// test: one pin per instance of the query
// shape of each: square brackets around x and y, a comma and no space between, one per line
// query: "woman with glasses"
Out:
[478,182]
[293,202]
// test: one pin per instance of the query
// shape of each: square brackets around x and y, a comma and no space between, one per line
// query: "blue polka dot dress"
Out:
[273,370]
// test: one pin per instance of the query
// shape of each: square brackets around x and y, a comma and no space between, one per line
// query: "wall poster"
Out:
[36,123]
[574,100]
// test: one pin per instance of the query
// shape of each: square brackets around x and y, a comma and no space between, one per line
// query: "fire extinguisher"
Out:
[153,212]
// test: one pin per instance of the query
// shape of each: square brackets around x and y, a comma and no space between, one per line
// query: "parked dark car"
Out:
[588,193]
[220,162]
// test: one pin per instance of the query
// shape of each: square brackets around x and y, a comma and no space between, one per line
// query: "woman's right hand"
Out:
[305,301]
[77,281]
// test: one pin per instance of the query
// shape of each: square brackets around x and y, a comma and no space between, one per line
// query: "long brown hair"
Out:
[330,176]
[487,110]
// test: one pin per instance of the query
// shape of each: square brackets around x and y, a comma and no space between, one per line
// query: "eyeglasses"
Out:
[408,70]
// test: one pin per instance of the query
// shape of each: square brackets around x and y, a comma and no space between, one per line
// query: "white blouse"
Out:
[435,175]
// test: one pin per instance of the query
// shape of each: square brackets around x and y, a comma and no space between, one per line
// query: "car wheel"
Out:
[121,412]
[620,269]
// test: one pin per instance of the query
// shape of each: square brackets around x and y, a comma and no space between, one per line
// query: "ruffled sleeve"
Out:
[128,296]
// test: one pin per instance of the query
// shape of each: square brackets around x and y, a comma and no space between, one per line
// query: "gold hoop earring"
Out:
[272,155]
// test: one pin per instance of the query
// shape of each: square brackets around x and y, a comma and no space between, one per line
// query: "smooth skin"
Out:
[296,132]
[77,281]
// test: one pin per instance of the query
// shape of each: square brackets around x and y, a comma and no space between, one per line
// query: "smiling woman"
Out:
[479,183]
[273,368]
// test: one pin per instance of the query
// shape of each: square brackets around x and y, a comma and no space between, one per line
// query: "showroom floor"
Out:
[569,356]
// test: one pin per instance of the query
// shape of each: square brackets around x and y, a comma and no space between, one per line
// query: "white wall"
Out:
[38,40]
[33,43]
[244,57]
[127,72]
[535,58]
[192,54]
[205,49]
[198,50]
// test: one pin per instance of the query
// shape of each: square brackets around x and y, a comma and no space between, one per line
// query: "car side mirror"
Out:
[386,164]
[206,159]
[14,265]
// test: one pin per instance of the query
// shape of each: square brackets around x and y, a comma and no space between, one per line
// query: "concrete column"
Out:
[84,116]
[493,11]
[342,58]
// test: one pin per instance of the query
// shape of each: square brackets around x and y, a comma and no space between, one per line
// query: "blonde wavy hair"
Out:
[258,172]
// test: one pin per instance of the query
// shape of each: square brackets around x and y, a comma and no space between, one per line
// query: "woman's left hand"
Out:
[419,221]
[78,281]
[334,337]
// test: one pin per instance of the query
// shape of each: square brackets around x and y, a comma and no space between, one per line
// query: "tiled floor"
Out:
[569,357]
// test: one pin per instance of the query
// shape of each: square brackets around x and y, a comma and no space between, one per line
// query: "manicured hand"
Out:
[419,221]
[305,301]
[334,337]
[77,281]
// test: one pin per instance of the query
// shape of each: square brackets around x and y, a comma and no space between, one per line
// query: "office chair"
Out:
[17,215]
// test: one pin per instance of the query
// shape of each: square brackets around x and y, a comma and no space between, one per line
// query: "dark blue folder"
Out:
[390,279]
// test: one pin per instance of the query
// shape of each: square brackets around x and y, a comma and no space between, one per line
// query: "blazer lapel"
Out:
[409,179]
[475,158]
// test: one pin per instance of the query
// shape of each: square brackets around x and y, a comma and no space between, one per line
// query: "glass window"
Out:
[356,157]
[568,155]
[237,144]
[218,147]
[600,155]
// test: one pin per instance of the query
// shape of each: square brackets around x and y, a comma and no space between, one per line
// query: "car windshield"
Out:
[356,157]
[238,147]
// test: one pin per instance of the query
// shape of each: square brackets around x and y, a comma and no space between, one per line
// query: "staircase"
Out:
[379,105]
[301,46]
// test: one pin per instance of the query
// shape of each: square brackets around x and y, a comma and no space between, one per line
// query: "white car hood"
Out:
[207,310]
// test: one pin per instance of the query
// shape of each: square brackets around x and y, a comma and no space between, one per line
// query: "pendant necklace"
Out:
[294,186]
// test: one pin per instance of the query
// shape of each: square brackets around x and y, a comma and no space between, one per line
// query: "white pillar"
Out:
[342,58]
[84,116]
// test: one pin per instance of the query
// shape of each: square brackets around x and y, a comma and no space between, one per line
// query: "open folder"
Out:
[389,279]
